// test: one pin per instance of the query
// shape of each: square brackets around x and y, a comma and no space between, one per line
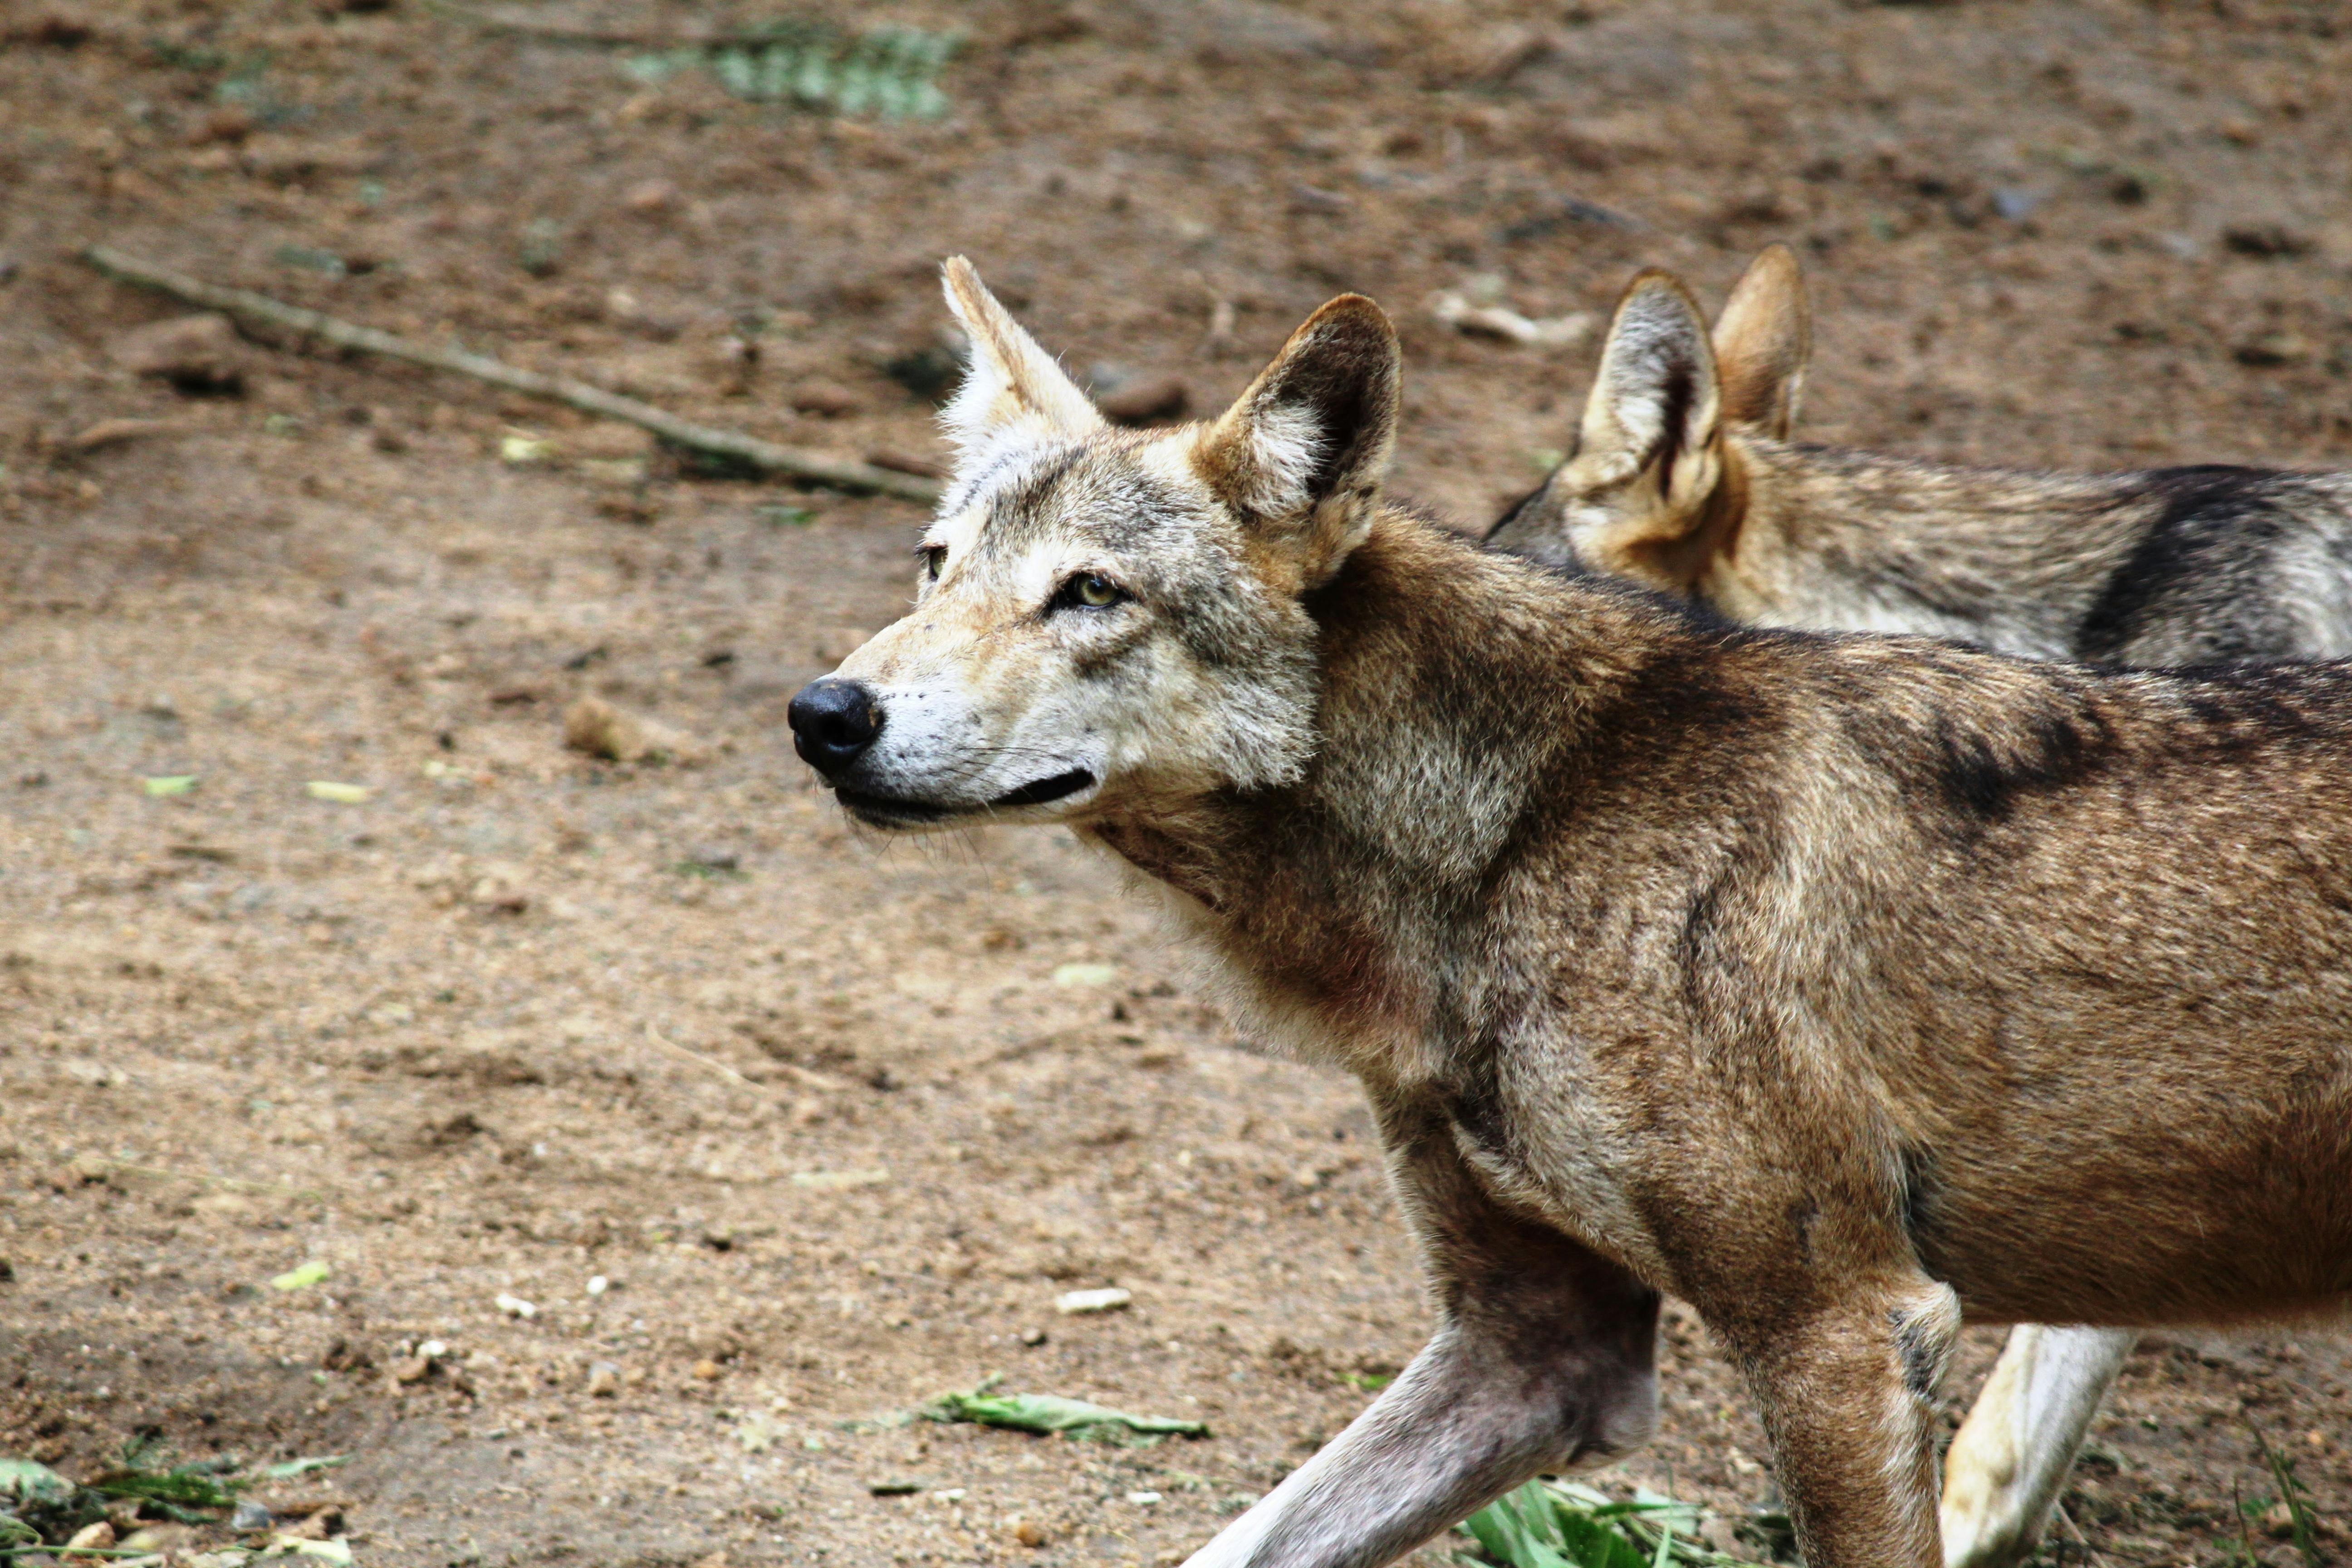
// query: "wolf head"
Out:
[1105,620]
[1651,491]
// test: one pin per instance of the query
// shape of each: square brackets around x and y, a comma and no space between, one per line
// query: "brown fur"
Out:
[1835,985]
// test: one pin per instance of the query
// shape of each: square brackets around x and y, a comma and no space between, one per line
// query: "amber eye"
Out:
[1093,590]
[934,556]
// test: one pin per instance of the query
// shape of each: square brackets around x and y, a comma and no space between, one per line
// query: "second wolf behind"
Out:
[1685,478]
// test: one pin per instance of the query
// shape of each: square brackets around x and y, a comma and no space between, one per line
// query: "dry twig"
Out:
[845,473]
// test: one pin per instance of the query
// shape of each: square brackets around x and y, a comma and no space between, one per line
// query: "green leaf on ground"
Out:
[1048,1412]
[302,1277]
[167,784]
[1561,1524]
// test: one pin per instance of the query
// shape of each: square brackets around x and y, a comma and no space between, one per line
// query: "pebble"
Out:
[1029,1533]
[603,1381]
[1111,1299]
[250,1516]
[709,1371]
[1146,400]
[594,726]
[195,353]
[1033,1338]
[100,1534]
[516,1306]
[826,399]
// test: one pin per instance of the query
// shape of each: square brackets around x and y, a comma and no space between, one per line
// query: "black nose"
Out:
[833,723]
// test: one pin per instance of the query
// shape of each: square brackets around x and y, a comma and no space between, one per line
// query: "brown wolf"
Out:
[1837,985]
[1685,478]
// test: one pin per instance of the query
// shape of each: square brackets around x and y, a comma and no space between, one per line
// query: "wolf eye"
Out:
[934,557]
[1091,590]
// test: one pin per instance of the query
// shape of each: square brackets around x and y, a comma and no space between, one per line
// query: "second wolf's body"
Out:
[2155,568]
[1684,479]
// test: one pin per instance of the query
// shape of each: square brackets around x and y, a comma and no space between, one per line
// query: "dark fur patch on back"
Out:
[2204,514]
[1983,772]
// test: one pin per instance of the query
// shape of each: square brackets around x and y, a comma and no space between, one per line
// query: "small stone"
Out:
[603,1381]
[1033,1338]
[650,198]
[516,1306]
[99,1535]
[411,1369]
[1143,1499]
[323,1524]
[250,1516]
[198,354]
[1111,1299]
[709,1371]
[598,1284]
[501,892]
[2265,240]
[231,124]
[2275,349]
[826,399]
[1029,1532]
[594,726]
[1146,400]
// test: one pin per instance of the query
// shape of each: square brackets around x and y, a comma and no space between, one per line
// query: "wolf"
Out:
[1685,478]
[1841,985]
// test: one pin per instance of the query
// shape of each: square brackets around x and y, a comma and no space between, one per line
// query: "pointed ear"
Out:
[1654,411]
[1763,341]
[1011,382]
[1301,454]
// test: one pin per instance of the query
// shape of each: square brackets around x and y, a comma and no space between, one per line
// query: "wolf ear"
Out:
[1763,341]
[1301,454]
[1011,382]
[1654,415]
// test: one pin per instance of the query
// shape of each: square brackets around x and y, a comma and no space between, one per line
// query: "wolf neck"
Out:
[1346,908]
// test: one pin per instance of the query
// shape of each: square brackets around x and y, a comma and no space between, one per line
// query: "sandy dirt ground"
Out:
[836,1123]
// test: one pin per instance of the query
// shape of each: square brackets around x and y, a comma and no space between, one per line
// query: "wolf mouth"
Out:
[901,811]
[1044,790]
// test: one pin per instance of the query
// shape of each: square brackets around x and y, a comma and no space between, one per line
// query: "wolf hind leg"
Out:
[2009,1460]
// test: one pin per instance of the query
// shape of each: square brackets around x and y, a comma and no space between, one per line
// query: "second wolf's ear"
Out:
[1763,341]
[1301,454]
[1654,408]
[1011,381]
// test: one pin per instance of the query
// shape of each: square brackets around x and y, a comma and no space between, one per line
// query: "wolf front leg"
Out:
[1847,1397]
[2009,1460]
[1543,1358]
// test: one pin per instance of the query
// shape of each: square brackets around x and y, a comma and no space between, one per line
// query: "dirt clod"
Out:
[199,353]
[596,727]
